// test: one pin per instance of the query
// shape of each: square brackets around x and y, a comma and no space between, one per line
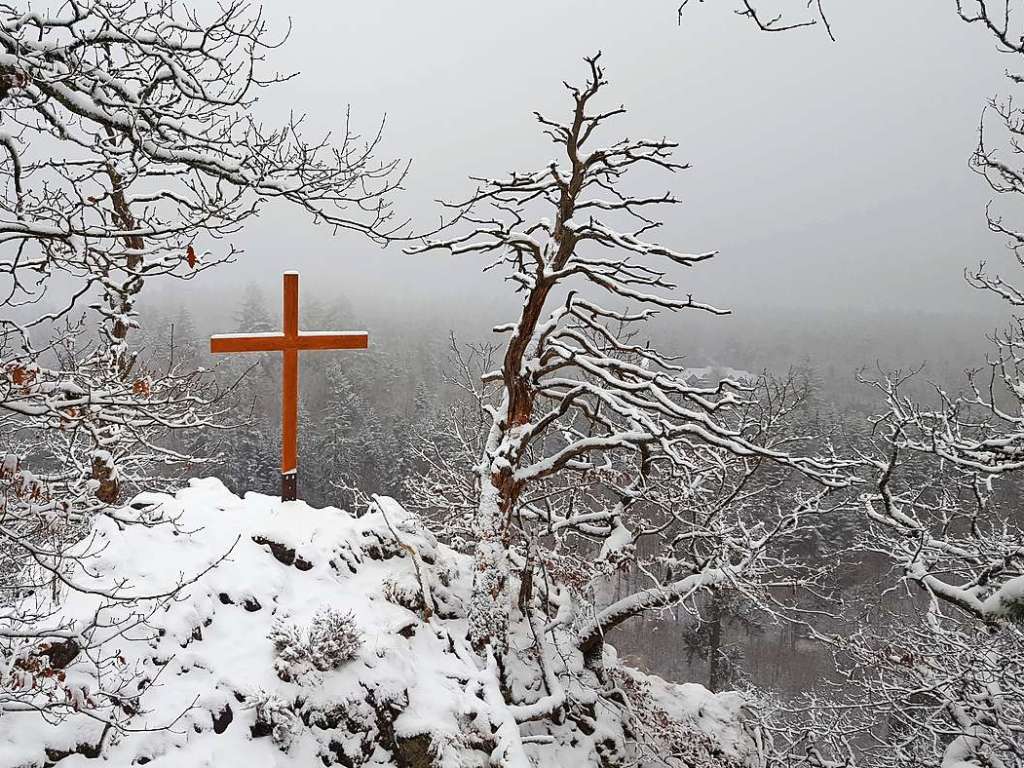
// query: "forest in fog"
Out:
[370,422]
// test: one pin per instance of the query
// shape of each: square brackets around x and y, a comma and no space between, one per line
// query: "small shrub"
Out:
[276,718]
[333,639]
[328,642]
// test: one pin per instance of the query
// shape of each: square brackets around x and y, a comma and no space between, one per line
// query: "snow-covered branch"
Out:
[587,439]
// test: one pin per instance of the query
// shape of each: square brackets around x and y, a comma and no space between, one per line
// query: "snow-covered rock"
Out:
[275,634]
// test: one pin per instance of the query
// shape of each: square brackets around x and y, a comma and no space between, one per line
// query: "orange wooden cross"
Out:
[290,342]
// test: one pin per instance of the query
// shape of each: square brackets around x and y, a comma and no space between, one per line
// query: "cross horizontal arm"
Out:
[332,340]
[278,342]
[240,342]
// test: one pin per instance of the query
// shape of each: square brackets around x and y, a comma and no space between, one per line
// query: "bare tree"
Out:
[776,19]
[934,670]
[594,440]
[131,143]
[997,155]
[937,677]
[130,151]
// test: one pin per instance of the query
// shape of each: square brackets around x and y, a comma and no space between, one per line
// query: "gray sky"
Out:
[828,175]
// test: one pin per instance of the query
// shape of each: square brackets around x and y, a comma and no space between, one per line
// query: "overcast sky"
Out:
[829,175]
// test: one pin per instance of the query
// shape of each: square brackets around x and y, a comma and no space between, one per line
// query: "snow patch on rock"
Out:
[312,637]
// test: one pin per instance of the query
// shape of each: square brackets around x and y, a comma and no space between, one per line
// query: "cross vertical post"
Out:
[289,342]
[290,391]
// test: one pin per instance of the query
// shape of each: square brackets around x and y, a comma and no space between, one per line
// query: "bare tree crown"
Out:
[589,423]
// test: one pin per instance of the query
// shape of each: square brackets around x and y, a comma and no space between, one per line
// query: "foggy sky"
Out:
[829,175]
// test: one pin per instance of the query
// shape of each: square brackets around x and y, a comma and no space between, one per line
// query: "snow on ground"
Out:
[320,638]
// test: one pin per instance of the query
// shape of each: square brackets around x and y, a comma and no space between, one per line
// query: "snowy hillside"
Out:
[316,638]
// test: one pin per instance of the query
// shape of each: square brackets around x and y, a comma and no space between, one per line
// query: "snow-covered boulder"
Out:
[275,634]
